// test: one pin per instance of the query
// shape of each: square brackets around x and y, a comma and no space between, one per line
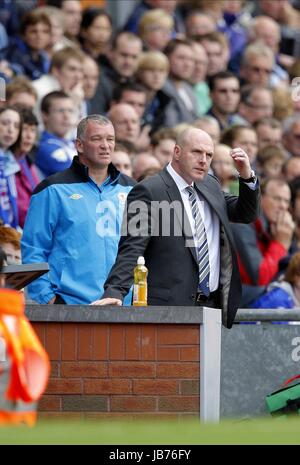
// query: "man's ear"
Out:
[177,151]
[78,145]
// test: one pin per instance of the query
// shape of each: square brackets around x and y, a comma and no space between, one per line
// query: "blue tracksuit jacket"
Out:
[74,225]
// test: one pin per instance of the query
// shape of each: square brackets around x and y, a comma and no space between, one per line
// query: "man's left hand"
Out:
[242,163]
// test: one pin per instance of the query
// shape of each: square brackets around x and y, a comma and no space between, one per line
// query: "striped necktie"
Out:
[201,243]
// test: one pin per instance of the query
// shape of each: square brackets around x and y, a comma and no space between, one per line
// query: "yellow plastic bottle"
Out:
[140,284]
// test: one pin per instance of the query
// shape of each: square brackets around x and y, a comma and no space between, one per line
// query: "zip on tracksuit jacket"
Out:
[74,225]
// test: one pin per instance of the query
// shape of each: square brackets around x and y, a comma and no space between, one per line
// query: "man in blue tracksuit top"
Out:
[74,220]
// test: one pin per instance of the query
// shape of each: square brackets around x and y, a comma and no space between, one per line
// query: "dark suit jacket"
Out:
[171,261]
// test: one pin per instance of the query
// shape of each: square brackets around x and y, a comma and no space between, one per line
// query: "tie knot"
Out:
[190,190]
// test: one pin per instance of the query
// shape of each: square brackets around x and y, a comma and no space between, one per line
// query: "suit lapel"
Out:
[175,196]
[207,193]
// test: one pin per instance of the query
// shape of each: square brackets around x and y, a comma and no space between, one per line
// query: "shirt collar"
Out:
[180,182]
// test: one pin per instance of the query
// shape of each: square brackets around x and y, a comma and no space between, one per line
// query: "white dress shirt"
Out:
[211,223]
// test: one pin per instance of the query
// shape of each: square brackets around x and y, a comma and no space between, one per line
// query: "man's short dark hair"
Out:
[174,43]
[129,86]
[48,99]
[130,36]
[221,75]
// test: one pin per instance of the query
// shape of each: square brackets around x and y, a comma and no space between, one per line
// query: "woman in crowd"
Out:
[10,130]
[27,177]
[95,32]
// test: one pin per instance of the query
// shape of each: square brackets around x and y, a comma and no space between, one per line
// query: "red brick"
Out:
[50,403]
[148,342]
[155,387]
[69,341]
[189,353]
[132,342]
[178,334]
[131,370]
[133,404]
[40,329]
[85,341]
[55,369]
[100,341]
[178,404]
[83,369]
[117,342]
[53,341]
[168,353]
[64,386]
[177,370]
[107,386]
[188,387]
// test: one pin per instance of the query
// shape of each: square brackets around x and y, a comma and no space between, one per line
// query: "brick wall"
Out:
[113,370]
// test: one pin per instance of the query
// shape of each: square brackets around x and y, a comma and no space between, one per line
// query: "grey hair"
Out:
[101,120]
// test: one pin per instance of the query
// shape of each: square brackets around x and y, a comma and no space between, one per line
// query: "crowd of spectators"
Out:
[229,67]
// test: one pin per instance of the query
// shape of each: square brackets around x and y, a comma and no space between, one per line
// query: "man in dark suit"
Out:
[162,223]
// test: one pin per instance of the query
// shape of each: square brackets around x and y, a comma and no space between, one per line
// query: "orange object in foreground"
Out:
[140,289]
[24,364]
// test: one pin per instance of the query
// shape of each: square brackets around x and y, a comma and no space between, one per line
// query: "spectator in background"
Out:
[169,6]
[210,125]
[282,12]
[55,151]
[266,30]
[126,122]
[262,244]
[57,39]
[133,94]
[225,96]
[119,68]
[291,168]
[217,51]
[270,161]
[142,163]
[183,105]
[244,137]
[163,143]
[28,49]
[120,158]
[198,23]
[257,65]
[89,84]
[155,29]
[10,243]
[269,132]
[283,103]
[198,79]
[21,91]
[223,166]
[95,32]
[72,17]
[152,72]
[10,131]
[26,177]
[291,135]
[73,222]
[66,74]
[285,292]
[256,103]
